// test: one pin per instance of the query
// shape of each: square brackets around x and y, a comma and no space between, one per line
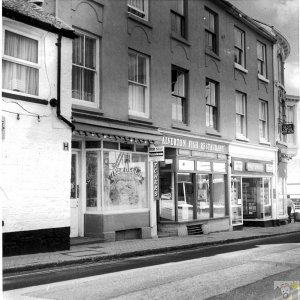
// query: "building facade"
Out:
[36,143]
[192,80]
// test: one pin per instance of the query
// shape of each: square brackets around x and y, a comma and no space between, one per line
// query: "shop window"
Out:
[179,101]
[186,198]
[210,30]
[239,47]
[92,144]
[110,145]
[126,147]
[167,196]
[203,196]
[125,181]
[261,59]
[211,97]
[20,64]
[138,84]
[139,8]
[178,19]
[236,200]
[92,179]
[84,69]
[218,189]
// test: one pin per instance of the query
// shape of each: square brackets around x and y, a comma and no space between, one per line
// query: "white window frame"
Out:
[36,35]
[210,32]
[146,114]
[241,49]
[214,107]
[262,61]
[264,121]
[242,135]
[83,102]
[132,9]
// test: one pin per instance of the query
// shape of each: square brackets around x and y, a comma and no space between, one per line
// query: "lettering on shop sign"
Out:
[155,180]
[254,167]
[238,165]
[193,144]
[269,168]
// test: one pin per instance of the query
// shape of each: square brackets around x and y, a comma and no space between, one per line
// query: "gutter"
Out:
[58,101]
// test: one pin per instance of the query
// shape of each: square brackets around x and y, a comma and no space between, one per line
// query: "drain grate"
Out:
[194,229]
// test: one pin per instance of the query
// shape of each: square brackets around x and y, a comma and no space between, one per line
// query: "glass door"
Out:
[236,201]
[187,209]
[74,197]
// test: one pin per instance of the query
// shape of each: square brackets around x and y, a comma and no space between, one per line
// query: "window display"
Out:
[125,185]
[218,196]
[236,201]
[203,196]
[167,196]
[92,178]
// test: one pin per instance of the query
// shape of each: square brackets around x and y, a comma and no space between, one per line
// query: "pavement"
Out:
[88,250]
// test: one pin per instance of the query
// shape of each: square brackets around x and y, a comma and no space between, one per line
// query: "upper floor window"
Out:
[263,120]
[239,47]
[178,89]
[178,20]
[211,97]
[211,30]
[138,84]
[20,68]
[261,59]
[241,116]
[84,68]
[138,8]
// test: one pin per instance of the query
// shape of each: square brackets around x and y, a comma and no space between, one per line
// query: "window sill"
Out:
[264,142]
[32,99]
[242,138]
[240,68]
[86,110]
[180,39]
[212,54]
[140,119]
[181,126]
[210,131]
[135,18]
[263,78]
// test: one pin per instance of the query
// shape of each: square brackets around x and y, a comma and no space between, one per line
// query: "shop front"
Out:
[111,184]
[251,192]
[193,186]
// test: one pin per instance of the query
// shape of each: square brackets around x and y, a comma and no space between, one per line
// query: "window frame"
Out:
[82,102]
[241,50]
[146,114]
[183,98]
[182,31]
[214,107]
[33,35]
[212,33]
[138,12]
[264,120]
[242,116]
[262,62]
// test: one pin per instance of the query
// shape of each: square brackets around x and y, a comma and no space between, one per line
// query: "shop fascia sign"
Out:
[193,144]
[254,167]
[287,128]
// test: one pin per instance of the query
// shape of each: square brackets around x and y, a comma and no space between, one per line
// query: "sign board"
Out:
[155,181]
[287,128]
[254,167]
[269,168]
[156,153]
[238,165]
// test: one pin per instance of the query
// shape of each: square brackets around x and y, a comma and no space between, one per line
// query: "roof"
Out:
[32,14]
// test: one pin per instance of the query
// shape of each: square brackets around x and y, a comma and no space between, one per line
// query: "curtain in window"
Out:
[136,98]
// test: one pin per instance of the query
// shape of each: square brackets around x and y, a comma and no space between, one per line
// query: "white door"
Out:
[74,201]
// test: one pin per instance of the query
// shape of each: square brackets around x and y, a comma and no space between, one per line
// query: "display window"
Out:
[236,201]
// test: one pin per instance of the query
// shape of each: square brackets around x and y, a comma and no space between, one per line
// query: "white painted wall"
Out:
[35,168]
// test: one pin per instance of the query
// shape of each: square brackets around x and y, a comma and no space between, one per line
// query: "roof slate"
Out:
[26,12]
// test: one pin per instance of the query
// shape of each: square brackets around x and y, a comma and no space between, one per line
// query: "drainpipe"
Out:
[57,102]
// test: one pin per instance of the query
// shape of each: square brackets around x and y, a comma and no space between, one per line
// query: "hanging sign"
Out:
[287,128]
[156,153]
[155,181]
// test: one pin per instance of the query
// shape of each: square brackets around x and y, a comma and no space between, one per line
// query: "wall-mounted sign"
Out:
[269,168]
[186,165]
[155,181]
[203,166]
[219,167]
[156,153]
[238,165]
[254,167]
[194,144]
[287,128]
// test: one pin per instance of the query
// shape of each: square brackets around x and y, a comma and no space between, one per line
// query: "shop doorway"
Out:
[74,197]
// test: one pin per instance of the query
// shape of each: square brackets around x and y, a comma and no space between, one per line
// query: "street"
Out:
[237,271]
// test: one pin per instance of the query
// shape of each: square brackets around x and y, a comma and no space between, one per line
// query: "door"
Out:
[74,201]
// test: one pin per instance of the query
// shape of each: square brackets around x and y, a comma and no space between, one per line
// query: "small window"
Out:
[138,84]
[261,59]
[179,102]
[93,144]
[20,71]
[84,68]
[138,8]
[110,145]
[239,47]
[178,19]
[263,120]
[241,124]
[210,31]
[211,97]
[126,147]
